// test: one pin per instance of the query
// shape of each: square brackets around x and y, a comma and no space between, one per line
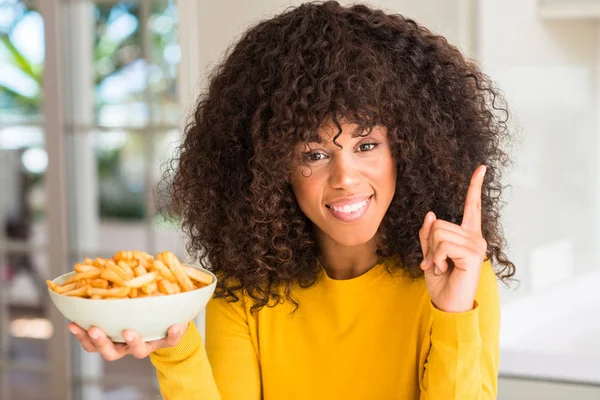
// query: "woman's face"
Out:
[345,191]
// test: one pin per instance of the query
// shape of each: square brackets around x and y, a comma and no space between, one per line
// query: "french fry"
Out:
[161,257]
[199,276]
[66,288]
[52,285]
[113,267]
[145,259]
[148,257]
[99,262]
[150,287]
[84,267]
[112,276]
[140,270]
[177,269]
[99,283]
[133,293]
[82,282]
[115,292]
[166,287]
[164,271]
[88,261]
[142,280]
[96,297]
[123,255]
[199,285]
[87,274]
[126,268]
[133,263]
[80,292]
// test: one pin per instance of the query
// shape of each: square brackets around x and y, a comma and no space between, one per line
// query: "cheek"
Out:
[309,195]
[383,174]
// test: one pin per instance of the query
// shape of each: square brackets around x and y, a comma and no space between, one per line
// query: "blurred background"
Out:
[93,96]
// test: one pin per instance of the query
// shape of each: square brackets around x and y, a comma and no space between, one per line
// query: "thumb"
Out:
[174,335]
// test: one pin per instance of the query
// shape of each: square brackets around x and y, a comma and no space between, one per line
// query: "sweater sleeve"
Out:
[463,357]
[232,349]
[184,371]
[226,369]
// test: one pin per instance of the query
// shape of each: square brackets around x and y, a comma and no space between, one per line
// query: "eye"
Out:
[314,156]
[368,146]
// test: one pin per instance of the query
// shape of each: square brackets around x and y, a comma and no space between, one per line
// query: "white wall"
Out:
[548,73]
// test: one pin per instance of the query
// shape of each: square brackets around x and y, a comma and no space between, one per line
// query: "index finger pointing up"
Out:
[472,214]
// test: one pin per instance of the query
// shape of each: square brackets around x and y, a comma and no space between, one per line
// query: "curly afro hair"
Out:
[277,86]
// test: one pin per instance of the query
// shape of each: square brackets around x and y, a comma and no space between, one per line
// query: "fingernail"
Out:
[72,330]
[437,271]
[94,334]
[175,330]
[128,336]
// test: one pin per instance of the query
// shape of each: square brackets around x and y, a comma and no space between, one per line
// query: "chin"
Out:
[353,238]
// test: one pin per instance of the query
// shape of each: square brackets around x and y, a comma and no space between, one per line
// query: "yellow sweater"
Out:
[373,337]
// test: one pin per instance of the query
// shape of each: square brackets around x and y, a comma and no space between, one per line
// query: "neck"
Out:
[346,262]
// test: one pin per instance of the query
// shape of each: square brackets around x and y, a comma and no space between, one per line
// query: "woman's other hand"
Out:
[96,341]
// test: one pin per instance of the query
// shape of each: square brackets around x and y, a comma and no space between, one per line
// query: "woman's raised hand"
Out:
[453,289]
[96,341]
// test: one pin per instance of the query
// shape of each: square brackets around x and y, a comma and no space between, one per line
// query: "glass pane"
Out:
[24,385]
[117,392]
[121,162]
[167,236]
[25,330]
[164,60]
[23,164]
[136,378]
[120,71]
[21,62]
[133,86]
[108,193]
[127,378]
[25,276]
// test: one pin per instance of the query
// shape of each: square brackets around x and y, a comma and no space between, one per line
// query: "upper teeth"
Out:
[350,208]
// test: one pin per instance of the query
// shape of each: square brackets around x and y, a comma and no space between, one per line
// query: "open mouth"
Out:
[350,212]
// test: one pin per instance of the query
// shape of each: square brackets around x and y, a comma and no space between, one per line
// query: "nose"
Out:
[344,173]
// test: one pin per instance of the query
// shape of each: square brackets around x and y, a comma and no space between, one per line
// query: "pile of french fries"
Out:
[131,274]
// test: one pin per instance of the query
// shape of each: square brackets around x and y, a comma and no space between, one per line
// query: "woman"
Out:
[332,177]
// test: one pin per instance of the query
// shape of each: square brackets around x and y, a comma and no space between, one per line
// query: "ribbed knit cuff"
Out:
[188,344]
[455,327]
